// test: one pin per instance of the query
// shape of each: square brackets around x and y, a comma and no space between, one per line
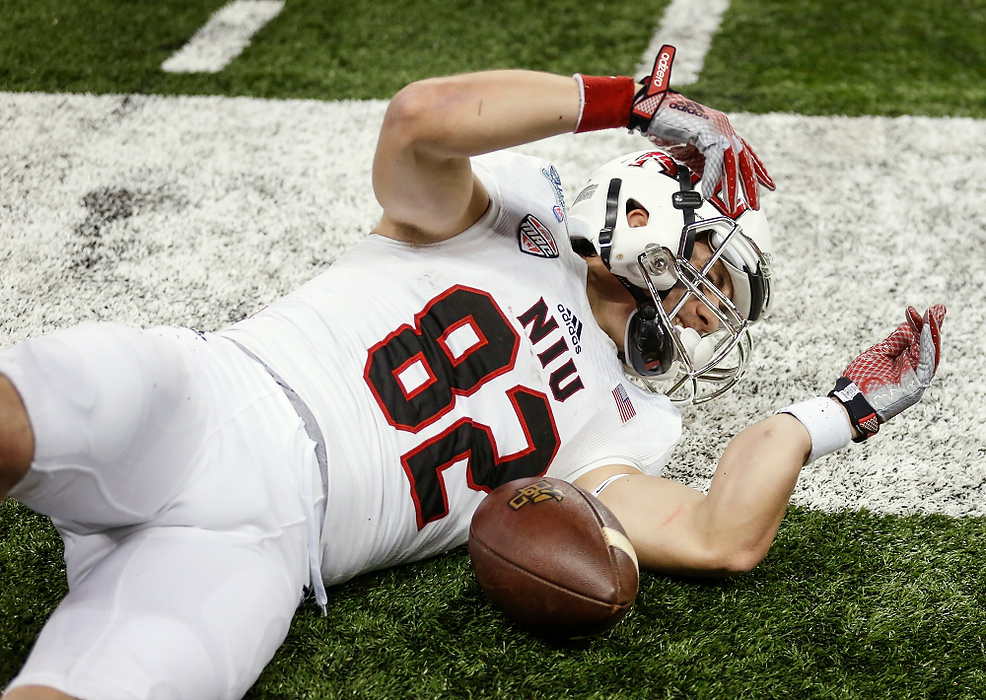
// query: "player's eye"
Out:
[721,279]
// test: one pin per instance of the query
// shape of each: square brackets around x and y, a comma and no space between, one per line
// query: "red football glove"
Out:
[700,137]
[892,375]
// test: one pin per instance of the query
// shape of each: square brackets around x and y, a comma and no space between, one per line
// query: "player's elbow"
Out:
[727,559]
[742,561]
[405,112]
[414,115]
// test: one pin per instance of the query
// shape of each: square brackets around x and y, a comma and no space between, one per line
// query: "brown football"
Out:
[553,558]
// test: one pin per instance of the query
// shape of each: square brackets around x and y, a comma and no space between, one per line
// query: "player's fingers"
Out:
[690,156]
[901,341]
[933,319]
[914,318]
[749,179]
[926,364]
[712,172]
[730,180]
[762,175]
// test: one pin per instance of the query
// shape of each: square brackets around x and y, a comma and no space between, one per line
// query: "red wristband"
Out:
[606,102]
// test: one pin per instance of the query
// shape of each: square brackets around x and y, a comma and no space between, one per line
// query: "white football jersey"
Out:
[438,372]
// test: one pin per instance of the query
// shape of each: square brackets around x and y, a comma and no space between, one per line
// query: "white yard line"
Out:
[199,210]
[223,37]
[689,25]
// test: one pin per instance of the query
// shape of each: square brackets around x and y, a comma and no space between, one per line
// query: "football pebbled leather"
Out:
[553,558]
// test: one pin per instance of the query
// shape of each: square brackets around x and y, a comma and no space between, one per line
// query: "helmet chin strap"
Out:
[686,200]
[609,225]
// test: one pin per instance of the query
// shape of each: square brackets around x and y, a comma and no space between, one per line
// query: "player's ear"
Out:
[637,216]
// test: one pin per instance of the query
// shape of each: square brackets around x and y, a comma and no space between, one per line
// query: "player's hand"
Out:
[893,374]
[700,137]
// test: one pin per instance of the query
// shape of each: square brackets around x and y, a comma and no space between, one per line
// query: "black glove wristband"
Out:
[861,414]
[640,119]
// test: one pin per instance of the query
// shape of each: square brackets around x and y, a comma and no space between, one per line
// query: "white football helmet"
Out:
[654,259]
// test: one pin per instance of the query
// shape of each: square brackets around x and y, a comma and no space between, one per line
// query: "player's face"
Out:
[694,313]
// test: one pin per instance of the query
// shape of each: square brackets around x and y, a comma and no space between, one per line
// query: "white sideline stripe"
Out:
[223,37]
[689,26]
[197,211]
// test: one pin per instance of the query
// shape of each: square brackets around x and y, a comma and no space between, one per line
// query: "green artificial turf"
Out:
[320,49]
[32,581]
[847,605]
[850,605]
[885,57]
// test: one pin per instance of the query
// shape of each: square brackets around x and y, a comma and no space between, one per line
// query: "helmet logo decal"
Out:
[535,238]
[668,163]
[586,193]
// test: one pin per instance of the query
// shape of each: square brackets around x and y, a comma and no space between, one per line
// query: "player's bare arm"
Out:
[16,438]
[36,692]
[676,529]
[421,172]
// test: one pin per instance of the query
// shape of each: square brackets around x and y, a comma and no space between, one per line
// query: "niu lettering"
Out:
[549,343]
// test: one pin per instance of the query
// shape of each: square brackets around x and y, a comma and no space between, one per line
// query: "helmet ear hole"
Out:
[637,214]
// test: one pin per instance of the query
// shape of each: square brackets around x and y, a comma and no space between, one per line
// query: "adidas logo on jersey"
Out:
[535,238]
[574,326]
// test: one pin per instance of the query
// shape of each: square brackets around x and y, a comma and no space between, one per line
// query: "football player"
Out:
[201,481]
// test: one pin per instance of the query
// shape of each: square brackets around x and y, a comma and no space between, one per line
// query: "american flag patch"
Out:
[623,403]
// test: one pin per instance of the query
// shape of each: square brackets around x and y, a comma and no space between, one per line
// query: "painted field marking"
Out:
[223,37]
[197,211]
[689,25]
